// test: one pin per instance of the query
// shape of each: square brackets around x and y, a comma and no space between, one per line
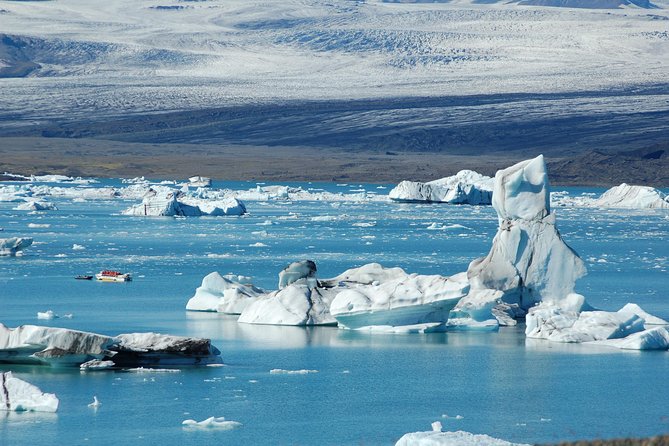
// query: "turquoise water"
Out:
[368,388]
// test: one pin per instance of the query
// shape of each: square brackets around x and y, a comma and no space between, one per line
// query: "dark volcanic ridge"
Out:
[112,159]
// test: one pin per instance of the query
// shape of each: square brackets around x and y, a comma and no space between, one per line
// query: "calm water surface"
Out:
[367,388]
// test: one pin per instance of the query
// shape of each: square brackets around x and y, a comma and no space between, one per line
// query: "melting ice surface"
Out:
[369,387]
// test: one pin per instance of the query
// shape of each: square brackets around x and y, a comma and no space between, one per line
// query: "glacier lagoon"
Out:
[353,387]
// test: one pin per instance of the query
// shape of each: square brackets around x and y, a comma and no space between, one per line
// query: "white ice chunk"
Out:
[632,197]
[96,364]
[404,300]
[49,314]
[212,423]
[36,205]
[11,246]
[18,395]
[656,338]
[529,262]
[459,438]
[556,324]
[296,304]
[303,269]
[291,372]
[224,294]
[465,187]
[630,309]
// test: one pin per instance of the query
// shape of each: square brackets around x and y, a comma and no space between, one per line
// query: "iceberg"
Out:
[529,262]
[60,347]
[154,350]
[223,294]
[299,303]
[632,197]
[11,246]
[625,329]
[36,206]
[465,187]
[303,269]
[458,438]
[400,300]
[199,181]
[18,395]
[436,437]
[172,203]
[212,423]
[370,295]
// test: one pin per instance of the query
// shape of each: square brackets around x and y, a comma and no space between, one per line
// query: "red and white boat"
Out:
[113,276]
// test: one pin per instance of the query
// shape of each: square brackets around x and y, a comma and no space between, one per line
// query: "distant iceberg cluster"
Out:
[529,272]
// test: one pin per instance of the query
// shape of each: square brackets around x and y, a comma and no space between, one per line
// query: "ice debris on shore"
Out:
[60,347]
[18,395]
[465,187]
[13,246]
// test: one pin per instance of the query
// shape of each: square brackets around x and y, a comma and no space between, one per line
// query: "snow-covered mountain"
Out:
[62,61]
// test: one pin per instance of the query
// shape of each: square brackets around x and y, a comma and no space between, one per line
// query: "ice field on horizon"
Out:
[356,381]
[162,56]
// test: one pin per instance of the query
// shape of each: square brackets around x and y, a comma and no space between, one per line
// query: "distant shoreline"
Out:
[116,159]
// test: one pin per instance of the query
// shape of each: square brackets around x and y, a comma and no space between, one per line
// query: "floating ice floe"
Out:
[212,423]
[398,300]
[12,246]
[624,196]
[199,181]
[291,372]
[33,205]
[465,187]
[18,395]
[175,203]
[632,197]
[223,294]
[32,344]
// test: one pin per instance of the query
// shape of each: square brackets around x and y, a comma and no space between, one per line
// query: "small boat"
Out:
[113,276]
[83,277]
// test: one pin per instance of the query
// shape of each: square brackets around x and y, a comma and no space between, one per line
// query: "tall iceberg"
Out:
[528,262]
[530,269]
